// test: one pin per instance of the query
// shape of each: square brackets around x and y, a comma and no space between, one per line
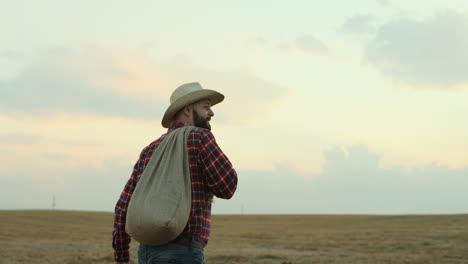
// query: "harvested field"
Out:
[85,237]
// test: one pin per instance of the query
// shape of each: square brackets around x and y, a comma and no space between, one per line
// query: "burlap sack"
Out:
[159,208]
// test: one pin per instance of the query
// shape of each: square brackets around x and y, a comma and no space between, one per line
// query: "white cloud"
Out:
[126,83]
[55,84]
[311,44]
[19,138]
[306,44]
[84,188]
[351,182]
[355,180]
[384,3]
[247,96]
[429,54]
[359,24]
[12,55]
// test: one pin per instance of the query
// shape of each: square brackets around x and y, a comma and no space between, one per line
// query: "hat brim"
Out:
[169,116]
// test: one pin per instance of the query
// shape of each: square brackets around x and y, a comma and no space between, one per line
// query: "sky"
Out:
[332,107]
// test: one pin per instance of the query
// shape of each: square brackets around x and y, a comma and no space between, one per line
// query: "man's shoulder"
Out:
[203,132]
[154,143]
[202,135]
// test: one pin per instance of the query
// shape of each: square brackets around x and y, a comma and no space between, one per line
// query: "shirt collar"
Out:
[176,124]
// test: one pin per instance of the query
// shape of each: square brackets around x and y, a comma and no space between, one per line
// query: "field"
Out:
[85,237]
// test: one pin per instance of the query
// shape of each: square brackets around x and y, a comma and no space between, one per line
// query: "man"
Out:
[211,173]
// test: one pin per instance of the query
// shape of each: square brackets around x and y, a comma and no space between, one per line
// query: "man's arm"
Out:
[220,175]
[121,240]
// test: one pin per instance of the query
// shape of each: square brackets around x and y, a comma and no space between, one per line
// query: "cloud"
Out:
[124,83]
[308,44]
[246,96]
[19,138]
[359,24]
[12,55]
[352,178]
[351,182]
[53,84]
[84,188]
[256,42]
[384,3]
[311,44]
[424,54]
[59,147]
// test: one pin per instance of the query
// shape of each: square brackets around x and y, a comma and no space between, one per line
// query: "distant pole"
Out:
[53,202]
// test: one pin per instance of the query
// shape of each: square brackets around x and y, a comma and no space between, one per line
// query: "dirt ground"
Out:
[85,237]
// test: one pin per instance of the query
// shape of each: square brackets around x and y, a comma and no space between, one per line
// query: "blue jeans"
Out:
[170,253]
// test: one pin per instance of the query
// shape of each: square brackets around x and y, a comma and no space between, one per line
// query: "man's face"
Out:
[202,114]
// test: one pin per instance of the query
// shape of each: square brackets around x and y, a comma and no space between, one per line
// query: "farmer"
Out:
[211,174]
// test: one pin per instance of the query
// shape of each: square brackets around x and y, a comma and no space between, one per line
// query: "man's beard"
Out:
[201,122]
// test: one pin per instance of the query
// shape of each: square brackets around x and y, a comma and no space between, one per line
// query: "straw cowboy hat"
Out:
[187,94]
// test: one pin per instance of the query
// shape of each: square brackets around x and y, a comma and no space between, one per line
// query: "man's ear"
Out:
[188,110]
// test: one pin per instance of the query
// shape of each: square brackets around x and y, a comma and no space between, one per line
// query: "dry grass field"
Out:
[70,237]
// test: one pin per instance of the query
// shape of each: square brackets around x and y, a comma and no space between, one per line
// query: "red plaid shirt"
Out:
[212,174]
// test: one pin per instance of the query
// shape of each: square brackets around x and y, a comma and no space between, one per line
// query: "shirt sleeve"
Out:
[220,175]
[121,240]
